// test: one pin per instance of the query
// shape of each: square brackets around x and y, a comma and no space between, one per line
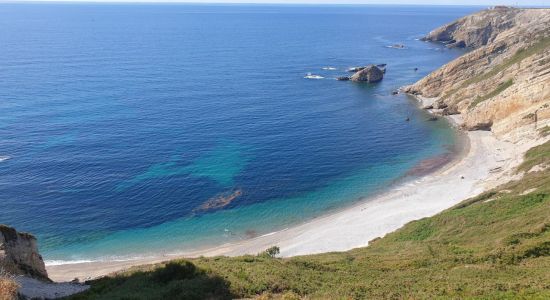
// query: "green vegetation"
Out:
[544,131]
[501,87]
[272,251]
[539,155]
[494,246]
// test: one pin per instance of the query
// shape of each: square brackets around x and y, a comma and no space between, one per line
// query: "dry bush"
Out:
[8,286]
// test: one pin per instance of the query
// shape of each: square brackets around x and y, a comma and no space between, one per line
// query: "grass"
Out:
[544,131]
[494,246]
[539,155]
[501,87]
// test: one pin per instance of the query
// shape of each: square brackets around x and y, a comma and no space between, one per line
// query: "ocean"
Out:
[131,130]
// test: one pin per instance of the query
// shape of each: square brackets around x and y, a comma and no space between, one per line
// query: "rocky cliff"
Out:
[19,254]
[502,84]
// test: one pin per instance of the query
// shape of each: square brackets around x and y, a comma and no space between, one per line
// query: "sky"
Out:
[440,2]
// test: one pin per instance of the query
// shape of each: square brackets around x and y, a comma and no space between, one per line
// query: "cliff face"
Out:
[19,254]
[503,83]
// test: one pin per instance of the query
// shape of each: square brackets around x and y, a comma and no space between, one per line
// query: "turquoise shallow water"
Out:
[138,129]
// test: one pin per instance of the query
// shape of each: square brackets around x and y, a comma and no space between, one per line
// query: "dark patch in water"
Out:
[430,165]
[251,234]
[219,201]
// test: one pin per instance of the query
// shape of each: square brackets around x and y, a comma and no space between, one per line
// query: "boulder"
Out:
[342,78]
[19,254]
[370,73]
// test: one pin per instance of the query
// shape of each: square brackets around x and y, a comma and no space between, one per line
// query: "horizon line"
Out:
[237,2]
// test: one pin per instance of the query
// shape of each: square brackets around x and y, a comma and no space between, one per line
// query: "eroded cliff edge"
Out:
[502,84]
[19,254]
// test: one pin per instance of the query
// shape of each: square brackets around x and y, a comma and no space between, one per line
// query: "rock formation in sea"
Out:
[370,73]
[503,84]
[19,254]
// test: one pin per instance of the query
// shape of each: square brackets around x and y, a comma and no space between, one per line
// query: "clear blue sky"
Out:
[442,2]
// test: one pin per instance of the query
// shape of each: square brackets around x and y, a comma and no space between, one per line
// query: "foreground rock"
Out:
[370,73]
[503,84]
[36,289]
[19,254]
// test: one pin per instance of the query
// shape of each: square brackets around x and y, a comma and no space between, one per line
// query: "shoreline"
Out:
[355,225]
[425,167]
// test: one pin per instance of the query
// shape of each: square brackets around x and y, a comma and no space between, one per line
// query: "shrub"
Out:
[178,270]
[273,251]
[290,296]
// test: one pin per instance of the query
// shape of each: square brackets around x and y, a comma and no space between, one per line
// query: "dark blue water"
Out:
[129,129]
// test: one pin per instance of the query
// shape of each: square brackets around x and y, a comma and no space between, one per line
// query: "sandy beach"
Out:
[478,168]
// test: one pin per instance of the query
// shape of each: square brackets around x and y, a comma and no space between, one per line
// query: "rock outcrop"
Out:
[370,73]
[19,254]
[503,83]
[476,30]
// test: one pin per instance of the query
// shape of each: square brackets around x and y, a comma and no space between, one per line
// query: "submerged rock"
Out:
[397,46]
[370,73]
[219,201]
[343,78]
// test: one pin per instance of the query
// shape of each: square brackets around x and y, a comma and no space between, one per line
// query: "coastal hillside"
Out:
[494,246]
[503,83]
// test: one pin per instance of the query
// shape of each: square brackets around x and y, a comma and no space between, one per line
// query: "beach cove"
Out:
[157,154]
[470,172]
[427,182]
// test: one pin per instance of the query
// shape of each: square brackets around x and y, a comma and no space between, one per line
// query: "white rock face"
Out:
[503,84]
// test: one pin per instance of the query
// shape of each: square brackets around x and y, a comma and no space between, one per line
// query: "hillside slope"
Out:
[503,84]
